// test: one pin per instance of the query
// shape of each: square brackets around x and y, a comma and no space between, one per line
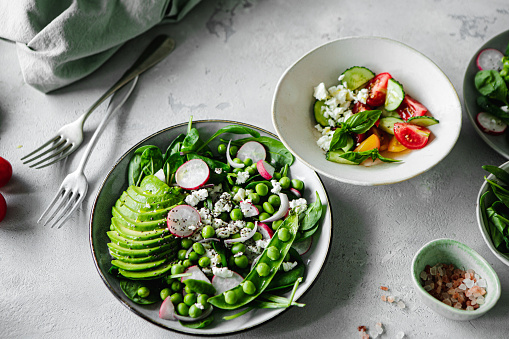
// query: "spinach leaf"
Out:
[500,192]
[235,129]
[151,160]
[286,279]
[190,142]
[175,146]
[487,106]
[171,166]
[499,173]
[198,324]
[489,83]
[278,154]
[361,122]
[130,289]
[312,215]
[134,171]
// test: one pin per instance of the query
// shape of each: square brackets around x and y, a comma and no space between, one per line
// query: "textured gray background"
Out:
[229,58]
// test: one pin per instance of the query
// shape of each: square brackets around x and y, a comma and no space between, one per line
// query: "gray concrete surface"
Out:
[229,58]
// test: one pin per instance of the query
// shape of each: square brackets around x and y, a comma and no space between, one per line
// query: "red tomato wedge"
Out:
[411,108]
[377,89]
[411,136]
[360,107]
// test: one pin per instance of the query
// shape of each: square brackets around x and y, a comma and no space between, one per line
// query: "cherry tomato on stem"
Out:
[5,172]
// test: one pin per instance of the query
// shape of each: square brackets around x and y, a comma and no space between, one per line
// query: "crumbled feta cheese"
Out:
[299,205]
[223,232]
[196,196]
[276,186]
[238,254]
[222,272]
[320,92]
[245,206]
[236,226]
[319,128]
[288,266]
[200,306]
[206,217]
[192,200]
[223,204]
[192,227]
[262,243]
[218,170]
[217,223]
[362,95]
[505,108]
[240,195]
[242,177]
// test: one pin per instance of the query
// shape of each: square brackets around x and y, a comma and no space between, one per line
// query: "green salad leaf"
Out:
[490,83]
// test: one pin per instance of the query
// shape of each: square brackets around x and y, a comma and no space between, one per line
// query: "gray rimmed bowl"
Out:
[448,251]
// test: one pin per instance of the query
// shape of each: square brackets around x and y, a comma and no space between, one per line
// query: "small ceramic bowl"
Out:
[490,198]
[450,251]
[293,101]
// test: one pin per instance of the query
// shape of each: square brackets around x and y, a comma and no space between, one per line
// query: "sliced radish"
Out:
[252,150]
[192,174]
[490,58]
[205,314]
[167,310]
[265,169]
[222,284]
[248,209]
[283,209]
[196,274]
[246,237]
[265,231]
[295,192]
[180,218]
[490,124]
[302,247]
[229,158]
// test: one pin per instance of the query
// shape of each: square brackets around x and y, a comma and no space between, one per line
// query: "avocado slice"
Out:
[144,206]
[169,254]
[155,185]
[142,216]
[137,225]
[120,226]
[137,253]
[137,267]
[139,244]
[148,274]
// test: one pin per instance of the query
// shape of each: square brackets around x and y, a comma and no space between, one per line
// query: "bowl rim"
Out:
[440,304]
[358,182]
[480,220]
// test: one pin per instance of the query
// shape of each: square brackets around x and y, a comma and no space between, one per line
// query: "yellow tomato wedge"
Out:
[371,142]
[395,146]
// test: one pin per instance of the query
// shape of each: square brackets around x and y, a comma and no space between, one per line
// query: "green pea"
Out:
[204,262]
[193,256]
[236,214]
[267,207]
[285,182]
[249,287]
[263,216]
[230,297]
[248,162]
[187,263]
[263,269]
[208,232]
[237,170]
[274,200]
[188,289]
[250,225]
[190,299]
[203,299]
[181,255]
[176,298]
[221,149]
[233,150]
[257,236]
[198,248]
[176,286]
[224,216]
[235,189]
[238,247]
[250,170]
[186,243]
[168,280]
[259,207]
[276,224]
[143,292]
[276,176]
[237,161]
[177,269]
[241,261]
[261,189]
[194,311]
[283,234]
[165,292]
[183,309]
[273,253]
[297,184]
[235,236]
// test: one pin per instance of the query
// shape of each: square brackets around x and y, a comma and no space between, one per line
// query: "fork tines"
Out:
[58,147]
[61,207]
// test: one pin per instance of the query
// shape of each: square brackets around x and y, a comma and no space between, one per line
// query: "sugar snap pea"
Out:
[292,224]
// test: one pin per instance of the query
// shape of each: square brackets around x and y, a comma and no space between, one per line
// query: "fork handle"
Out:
[158,49]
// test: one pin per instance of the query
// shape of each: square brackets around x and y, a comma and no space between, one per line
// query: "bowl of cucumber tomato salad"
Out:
[367,118]
[210,227]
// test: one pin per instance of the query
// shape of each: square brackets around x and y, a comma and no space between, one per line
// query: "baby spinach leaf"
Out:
[171,166]
[361,122]
[151,160]
[130,289]
[175,146]
[312,215]
[234,129]
[487,106]
[134,171]
[190,142]
[489,83]
[499,173]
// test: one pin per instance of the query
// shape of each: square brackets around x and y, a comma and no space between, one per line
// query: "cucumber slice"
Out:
[323,121]
[423,121]
[357,76]
[334,156]
[395,95]
[387,124]
[390,114]
[349,144]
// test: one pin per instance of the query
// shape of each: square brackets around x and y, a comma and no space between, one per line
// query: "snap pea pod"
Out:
[241,298]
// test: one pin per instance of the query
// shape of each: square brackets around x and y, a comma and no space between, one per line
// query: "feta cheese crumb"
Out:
[218,170]
[276,186]
[222,272]
[242,177]
[200,306]
[299,205]
[196,196]
[240,195]
[288,266]
[320,92]
[192,200]
[238,254]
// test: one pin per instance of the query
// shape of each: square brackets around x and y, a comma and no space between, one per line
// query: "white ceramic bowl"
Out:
[293,103]
[490,198]
[448,251]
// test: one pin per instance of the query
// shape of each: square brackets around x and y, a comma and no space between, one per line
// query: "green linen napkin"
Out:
[61,41]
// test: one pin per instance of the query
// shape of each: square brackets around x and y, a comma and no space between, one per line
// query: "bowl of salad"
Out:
[485,91]
[366,118]
[210,227]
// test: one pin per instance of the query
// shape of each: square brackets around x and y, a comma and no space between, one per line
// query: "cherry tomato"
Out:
[359,138]
[377,89]
[411,136]
[5,172]
[3,207]
[411,108]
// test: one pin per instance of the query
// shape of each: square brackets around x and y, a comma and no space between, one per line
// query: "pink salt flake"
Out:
[401,304]
[447,302]
[384,298]
[390,299]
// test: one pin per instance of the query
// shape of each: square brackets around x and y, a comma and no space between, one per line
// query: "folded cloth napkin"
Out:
[61,41]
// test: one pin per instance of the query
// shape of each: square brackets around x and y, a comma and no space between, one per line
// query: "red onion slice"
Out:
[229,158]
[242,239]
[283,208]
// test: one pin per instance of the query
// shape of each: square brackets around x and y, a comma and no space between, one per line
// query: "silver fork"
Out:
[74,188]
[69,137]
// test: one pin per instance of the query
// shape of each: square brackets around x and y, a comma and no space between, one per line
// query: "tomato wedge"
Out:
[411,108]
[360,107]
[377,89]
[411,136]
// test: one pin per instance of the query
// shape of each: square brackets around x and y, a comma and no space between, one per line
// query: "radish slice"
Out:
[180,218]
[205,314]
[192,174]
[229,158]
[265,231]
[222,284]
[242,239]
[265,169]
[296,192]
[490,124]
[303,246]
[248,209]
[196,274]
[283,208]
[252,150]
[167,310]
[489,58]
